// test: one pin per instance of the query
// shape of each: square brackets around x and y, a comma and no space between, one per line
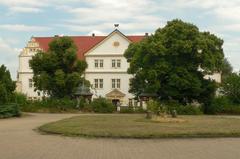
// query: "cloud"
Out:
[102,14]
[9,56]
[24,10]
[24,28]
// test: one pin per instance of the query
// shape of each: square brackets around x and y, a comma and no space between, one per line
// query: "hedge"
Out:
[9,110]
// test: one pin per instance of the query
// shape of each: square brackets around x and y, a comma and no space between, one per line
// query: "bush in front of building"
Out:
[50,105]
[9,110]
[102,105]
[188,109]
[131,109]
[223,105]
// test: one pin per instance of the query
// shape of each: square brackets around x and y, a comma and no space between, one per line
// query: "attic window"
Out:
[116,43]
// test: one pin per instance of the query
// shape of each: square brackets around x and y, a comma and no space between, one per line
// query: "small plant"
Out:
[102,105]
[157,108]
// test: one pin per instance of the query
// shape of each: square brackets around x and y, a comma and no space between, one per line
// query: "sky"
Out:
[22,19]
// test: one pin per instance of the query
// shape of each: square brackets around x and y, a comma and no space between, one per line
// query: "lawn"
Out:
[136,126]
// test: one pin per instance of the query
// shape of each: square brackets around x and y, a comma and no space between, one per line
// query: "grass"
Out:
[136,126]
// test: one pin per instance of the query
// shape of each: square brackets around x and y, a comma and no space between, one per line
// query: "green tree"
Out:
[168,63]
[231,87]
[7,86]
[226,69]
[58,71]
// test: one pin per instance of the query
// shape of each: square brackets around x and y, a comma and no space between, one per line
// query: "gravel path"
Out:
[19,141]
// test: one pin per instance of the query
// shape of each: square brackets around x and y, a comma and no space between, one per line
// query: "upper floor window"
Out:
[98,63]
[116,83]
[116,63]
[98,83]
[30,83]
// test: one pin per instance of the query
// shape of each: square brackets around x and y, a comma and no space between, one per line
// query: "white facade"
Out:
[113,68]
[107,69]
[111,76]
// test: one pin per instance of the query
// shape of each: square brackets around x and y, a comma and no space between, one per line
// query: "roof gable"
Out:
[106,46]
[83,43]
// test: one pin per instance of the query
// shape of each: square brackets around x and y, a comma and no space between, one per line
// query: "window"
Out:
[98,63]
[101,63]
[113,63]
[98,83]
[116,63]
[116,83]
[30,83]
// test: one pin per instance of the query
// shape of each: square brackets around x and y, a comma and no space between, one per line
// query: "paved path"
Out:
[19,141]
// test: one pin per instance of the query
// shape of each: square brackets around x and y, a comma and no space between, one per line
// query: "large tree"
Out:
[7,86]
[58,71]
[173,62]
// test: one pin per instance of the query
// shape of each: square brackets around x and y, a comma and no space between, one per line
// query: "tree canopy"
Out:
[7,86]
[58,71]
[173,62]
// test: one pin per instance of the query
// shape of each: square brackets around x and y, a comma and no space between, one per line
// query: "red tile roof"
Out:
[83,43]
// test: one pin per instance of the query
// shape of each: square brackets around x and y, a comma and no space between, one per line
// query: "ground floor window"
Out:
[116,83]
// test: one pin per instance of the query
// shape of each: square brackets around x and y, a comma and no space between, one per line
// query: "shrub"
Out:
[20,99]
[9,110]
[127,110]
[223,105]
[50,105]
[183,109]
[102,105]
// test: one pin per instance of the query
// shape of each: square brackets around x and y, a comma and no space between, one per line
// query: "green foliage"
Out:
[226,69]
[127,110]
[156,107]
[58,71]
[183,109]
[51,105]
[223,105]
[7,86]
[132,109]
[9,110]
[169,106]
[231,87]
[102,105]
[217,105]
[167,63]
[20,99]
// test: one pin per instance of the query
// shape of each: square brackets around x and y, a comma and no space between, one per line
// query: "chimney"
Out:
[93,34]
[146,34]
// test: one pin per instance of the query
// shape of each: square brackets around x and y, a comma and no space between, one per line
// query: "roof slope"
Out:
[83,43]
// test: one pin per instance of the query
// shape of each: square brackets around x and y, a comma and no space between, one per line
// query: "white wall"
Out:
[25,72]
[107,51]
